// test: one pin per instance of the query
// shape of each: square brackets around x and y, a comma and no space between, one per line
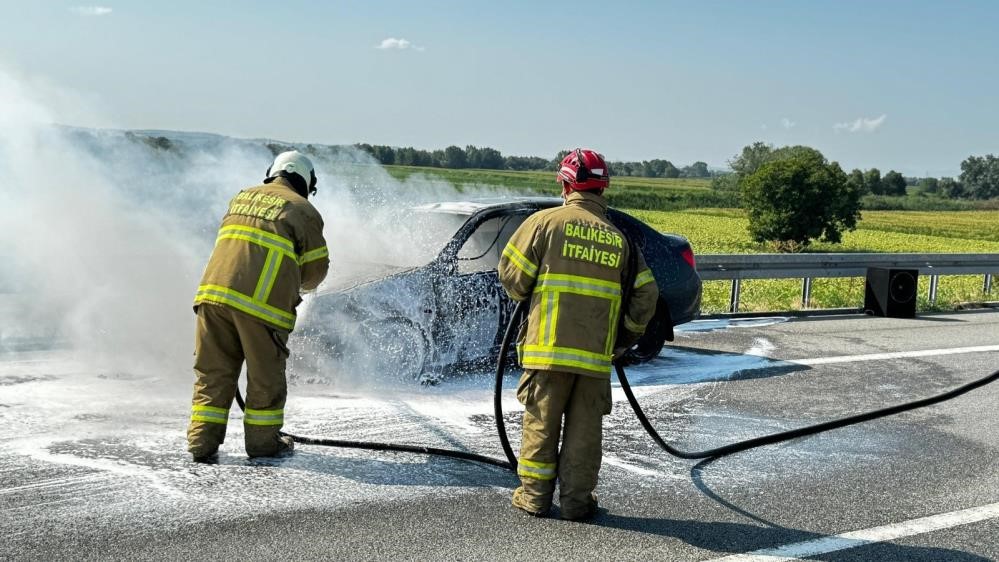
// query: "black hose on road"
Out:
[793,433]
[511,462]
[395,447]
[734,447]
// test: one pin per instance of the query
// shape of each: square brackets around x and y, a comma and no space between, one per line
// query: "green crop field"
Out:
[723,231]
[539,183]
[627,192]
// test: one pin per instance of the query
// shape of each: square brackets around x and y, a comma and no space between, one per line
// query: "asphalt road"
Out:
[92,462]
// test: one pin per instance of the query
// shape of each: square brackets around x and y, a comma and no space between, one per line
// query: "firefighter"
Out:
[269,249]
[573,264]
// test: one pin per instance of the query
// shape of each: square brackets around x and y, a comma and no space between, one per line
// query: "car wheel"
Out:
[656,334]
[389,348]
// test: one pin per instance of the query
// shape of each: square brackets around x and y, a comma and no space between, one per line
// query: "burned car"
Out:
[446,310]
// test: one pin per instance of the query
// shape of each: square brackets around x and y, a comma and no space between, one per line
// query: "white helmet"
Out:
[294,162]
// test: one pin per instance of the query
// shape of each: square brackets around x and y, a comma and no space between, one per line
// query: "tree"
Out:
[893,183]
[872,182]
[928,186]
[800,197]
[696,170]
[384,154]
[855,181]
[751,158]
[491,159]
[951,189]
[980,176]
[454,157]
[473,157]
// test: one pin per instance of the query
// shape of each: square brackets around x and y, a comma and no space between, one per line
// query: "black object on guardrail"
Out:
[891,292]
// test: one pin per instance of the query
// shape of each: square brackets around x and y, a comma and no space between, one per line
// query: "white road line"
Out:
[892,355]
[864,537]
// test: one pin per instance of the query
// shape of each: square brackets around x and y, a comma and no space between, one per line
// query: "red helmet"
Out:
[584,169]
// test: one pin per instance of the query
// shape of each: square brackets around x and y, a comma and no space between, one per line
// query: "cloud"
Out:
[787,123]
[861,125]
[91,10]
[400,44]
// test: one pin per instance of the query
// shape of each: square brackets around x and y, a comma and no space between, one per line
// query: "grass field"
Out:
[539,183]
[628,192]
[723,231]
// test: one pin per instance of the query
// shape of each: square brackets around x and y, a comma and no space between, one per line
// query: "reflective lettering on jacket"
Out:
[571,262]
[269,248]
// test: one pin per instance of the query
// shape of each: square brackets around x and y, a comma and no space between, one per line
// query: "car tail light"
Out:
[688,256]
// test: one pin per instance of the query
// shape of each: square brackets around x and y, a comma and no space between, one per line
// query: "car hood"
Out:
[345,275]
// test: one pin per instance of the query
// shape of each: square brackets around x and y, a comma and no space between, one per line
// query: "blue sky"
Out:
[907,85]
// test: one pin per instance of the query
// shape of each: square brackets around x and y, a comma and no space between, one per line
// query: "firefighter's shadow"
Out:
[726,536]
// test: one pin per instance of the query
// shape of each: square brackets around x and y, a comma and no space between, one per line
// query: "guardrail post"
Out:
[987,286]
[733,301]
[806,292]
[934,280]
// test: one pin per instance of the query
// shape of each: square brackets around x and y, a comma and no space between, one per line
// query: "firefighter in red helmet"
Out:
[572,263]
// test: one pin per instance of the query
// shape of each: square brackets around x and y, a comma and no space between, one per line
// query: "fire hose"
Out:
[511,462]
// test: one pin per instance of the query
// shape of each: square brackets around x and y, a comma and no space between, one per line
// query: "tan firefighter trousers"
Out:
[546,396]
[224,339]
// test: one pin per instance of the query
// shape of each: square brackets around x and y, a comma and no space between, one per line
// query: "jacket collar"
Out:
[283,182]
[587,200]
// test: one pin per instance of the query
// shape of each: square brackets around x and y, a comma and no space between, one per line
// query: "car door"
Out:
[471,300]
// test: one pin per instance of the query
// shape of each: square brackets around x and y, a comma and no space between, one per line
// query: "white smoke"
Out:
[105,233]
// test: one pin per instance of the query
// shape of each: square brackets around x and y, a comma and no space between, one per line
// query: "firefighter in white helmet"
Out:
[269,249]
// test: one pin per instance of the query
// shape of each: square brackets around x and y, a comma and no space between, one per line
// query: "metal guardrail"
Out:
[736,267]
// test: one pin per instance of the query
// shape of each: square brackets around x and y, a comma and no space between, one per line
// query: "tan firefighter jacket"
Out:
[270,246]
[571,261]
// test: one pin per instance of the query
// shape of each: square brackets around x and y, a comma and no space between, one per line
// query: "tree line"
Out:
[794,195]
[979,177]
[455,157]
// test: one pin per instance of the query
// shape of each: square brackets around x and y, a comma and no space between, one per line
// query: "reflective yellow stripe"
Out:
[263,417]
[239,301]
[552,318]
[267,277]
[259,237]
[543,356]
[644,278]
[579,285]
[549,316]
[520,260]
[612,326]
[536,470]
[209,414]
[313,255]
